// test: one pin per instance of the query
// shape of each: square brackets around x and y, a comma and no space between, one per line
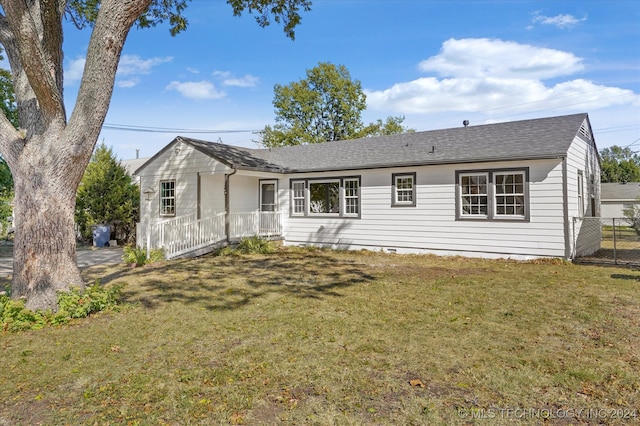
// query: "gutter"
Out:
[227,208]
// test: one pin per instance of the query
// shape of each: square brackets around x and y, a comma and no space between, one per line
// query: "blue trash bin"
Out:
[101,234]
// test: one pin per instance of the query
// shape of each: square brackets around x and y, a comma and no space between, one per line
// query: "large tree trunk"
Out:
[48,155]
[45,246]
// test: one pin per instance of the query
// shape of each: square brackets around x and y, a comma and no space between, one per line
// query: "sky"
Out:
[435,62]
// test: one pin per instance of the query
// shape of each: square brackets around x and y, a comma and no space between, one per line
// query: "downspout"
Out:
[227,208]
[568,243]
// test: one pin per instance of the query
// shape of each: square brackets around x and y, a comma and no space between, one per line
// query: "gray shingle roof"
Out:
[619,191]
[515,140]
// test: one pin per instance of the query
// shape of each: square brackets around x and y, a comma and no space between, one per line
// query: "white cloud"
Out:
[125,84]
[134,65]
[479,57]
[245,81]
[482,75]
[560,21]
[201,90]
[130,65]
[228,79]
[74,70]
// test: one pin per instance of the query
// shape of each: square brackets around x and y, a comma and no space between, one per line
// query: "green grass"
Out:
[319,337]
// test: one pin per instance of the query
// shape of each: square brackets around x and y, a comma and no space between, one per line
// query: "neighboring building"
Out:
[616,197]
[498,190]
[132,165]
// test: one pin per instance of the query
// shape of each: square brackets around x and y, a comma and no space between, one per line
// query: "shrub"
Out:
[94,298]
[633,217]
[255,245]
[138,256]
[74,304]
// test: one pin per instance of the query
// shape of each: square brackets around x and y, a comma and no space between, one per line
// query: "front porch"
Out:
[187,235]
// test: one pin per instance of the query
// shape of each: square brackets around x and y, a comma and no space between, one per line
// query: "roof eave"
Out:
[428,163]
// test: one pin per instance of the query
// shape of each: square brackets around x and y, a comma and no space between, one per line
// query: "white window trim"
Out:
[162,198]
[344,197]
[491,195]
[461,212]
[273,182]
[496,195]
[324,181]
[294,198]
[394,192]
[580,189]
[341,194]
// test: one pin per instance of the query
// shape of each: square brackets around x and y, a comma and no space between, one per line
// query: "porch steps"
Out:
[202,250]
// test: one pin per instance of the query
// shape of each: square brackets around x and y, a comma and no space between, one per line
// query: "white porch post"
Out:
[148,195]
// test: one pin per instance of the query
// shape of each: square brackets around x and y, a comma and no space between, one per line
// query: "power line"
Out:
[150,129]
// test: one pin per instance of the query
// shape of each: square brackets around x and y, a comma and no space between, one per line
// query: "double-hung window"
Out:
[403,189]
[351,197]
[298,198]
[326,197]
[580,193]
[493,194]
[474,195]
[168,198]
[510,194]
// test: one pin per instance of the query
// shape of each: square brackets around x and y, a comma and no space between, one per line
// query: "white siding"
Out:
[212,194]
[182,163]
[582,160]
[615,209]
[243,193]
[431,225]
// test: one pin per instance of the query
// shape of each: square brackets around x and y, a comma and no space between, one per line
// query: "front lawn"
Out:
[320,337]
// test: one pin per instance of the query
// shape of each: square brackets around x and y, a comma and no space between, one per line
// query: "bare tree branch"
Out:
[115,19]
[52,39]
[40,70]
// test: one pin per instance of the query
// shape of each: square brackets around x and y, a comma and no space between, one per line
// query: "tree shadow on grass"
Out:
[626,277]
[231,282]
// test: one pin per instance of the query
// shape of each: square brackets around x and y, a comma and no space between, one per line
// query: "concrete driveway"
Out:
[86,257]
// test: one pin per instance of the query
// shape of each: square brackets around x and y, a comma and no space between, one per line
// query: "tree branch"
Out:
[9,137]
[39,68]
[52,39]
[115,19]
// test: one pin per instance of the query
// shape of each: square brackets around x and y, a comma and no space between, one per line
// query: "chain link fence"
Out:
[619,244]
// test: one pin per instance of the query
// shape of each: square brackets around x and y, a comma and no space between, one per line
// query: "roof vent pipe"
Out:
[465,123]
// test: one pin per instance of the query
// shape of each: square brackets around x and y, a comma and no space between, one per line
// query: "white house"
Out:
[617,197]
[522,189]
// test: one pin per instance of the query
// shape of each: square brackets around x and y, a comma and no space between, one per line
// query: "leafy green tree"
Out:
[49,151]
[8,97]
[325,106]
[107,195]
[620,165]
[392,126]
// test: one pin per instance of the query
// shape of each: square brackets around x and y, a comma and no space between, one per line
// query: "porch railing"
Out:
[250,224]
[185,234]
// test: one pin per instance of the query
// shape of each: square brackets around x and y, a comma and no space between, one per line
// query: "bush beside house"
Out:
[107,195]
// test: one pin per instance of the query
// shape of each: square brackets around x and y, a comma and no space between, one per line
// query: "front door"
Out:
[268,195]
[268,207]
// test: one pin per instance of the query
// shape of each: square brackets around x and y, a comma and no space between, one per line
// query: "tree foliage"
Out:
[10,110]
[620,165]
[325,106]
[107,195]
[49,150]
[8,97]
